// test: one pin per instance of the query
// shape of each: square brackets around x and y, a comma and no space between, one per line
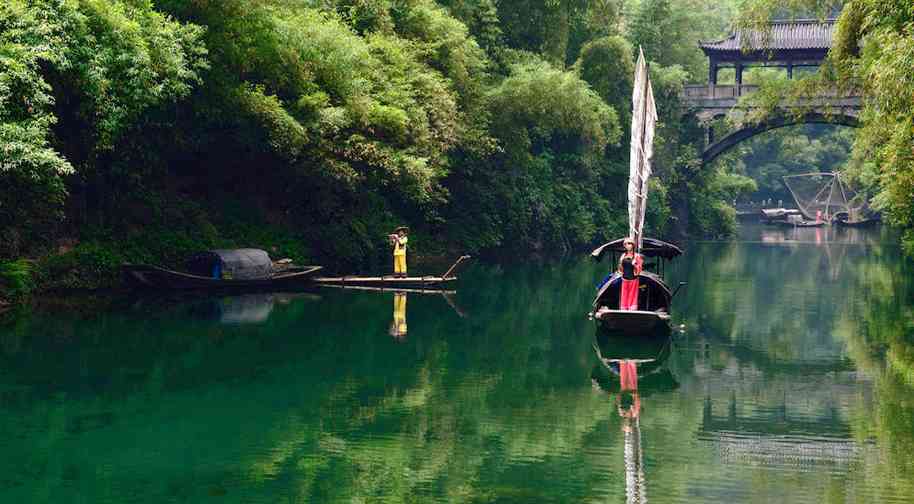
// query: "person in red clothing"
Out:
[630,265]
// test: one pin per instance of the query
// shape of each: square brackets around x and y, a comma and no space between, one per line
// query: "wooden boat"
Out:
[222,269]
[392,282]
[654,296]
[777,215]
[161,278]
[802,224]
[857,224]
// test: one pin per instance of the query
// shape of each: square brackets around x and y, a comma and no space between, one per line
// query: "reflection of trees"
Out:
[316,405]
[834,314]
[877,323]
[312,403]
[762,296]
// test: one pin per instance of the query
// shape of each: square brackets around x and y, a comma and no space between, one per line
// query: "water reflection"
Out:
[785,435]
[621,364]
[792,384]
[244,308]
[398,324]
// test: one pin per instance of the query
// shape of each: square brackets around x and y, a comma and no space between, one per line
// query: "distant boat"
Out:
[221,269]
[859,223]
[825,195]
[799,223]
[654,296]
[776,215]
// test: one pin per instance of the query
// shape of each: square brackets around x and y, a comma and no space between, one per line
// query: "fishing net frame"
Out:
[828,196]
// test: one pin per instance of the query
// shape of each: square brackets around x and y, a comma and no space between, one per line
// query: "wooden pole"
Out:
[451,269]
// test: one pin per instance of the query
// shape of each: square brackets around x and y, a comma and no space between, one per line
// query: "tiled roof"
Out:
[798,34]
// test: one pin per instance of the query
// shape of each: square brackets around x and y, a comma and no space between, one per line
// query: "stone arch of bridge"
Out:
[735,138]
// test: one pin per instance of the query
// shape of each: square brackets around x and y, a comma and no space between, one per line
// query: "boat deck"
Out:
[391,282]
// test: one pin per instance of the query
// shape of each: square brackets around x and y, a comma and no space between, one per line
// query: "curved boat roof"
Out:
[650,247]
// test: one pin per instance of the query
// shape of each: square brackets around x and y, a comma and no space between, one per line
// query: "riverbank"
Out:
[93,265]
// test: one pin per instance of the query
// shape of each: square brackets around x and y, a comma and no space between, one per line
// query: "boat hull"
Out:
[154,277]
[799,224]
[633,322]
[858,224]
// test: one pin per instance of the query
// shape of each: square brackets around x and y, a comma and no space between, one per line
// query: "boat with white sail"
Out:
[649,298]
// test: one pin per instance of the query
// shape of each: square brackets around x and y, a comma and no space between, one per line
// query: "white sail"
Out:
[644,120]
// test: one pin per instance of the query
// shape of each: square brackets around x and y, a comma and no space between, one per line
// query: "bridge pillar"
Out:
[739,79]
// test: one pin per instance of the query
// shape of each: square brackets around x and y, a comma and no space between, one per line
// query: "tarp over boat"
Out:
[232,264]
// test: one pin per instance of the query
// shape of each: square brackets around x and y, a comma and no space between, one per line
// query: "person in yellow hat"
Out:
[398,239]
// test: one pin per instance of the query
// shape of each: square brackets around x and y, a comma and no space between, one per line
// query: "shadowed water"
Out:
[791,381]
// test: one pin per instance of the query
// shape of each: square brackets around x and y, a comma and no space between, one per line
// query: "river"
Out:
[789,378]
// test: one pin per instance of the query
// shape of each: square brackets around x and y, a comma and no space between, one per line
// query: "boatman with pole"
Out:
[398,239]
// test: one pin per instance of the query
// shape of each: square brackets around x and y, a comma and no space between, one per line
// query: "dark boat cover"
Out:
[650,247]
[235,264]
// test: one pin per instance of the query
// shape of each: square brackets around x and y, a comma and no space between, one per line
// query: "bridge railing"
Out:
[723,92]
[706,92]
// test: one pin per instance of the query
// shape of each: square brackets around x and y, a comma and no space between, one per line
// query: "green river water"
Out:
[789,378]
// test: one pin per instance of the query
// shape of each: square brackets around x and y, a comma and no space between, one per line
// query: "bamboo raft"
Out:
[434,289]
[392,282]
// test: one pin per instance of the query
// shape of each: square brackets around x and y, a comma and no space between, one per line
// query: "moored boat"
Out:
[777,215]
[222,269]
[800,223]
[859,223]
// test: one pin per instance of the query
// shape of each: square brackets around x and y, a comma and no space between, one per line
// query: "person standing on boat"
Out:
[398,240]
[630,265]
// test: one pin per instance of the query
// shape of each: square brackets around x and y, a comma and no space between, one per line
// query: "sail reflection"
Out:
[630,370]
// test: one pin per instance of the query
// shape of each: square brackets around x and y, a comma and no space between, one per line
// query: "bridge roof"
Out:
[796,35]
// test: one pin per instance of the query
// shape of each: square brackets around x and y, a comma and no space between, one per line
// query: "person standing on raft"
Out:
[630,265]
[398,240]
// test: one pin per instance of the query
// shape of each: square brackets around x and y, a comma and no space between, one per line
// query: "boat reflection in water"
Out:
[236,309]
[630,371]
[398,324]
[243,309]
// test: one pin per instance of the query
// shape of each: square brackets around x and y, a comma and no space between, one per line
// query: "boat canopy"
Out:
[650,247]
[236,264]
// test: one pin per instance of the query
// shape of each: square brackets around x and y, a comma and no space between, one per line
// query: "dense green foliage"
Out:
[873,52]
[483,125]
[98,66]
